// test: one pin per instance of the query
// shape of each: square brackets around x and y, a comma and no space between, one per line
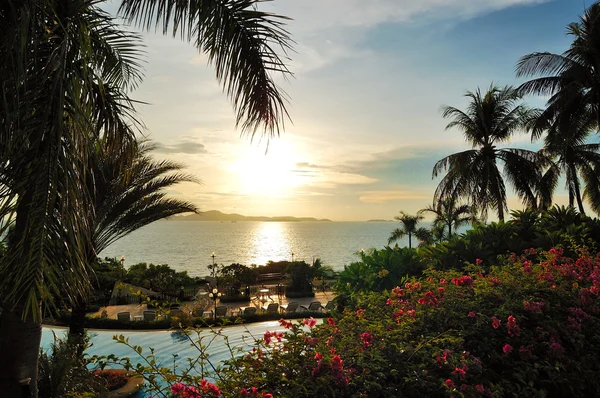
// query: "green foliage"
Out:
[525,328]
[160,278]
[237,276]
[301,275]
[379,270]
[63,372]
[558,226]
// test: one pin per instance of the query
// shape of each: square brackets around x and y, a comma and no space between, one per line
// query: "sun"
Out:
[270,174]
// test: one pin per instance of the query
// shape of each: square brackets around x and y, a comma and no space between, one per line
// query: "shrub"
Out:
[522,330]
[63,372]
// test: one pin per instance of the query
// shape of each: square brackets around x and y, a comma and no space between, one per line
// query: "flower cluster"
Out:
[204,390]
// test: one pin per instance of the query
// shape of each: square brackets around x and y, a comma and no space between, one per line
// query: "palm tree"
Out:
[448,214]
[65,69]
[474,175]
[566,144]
[409,227]
[128,192]
[570,79]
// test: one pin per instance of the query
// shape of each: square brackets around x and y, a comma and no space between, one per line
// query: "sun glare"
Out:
[271,174]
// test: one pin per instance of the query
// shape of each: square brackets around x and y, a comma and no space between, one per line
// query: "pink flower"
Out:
[285,324]
[360,313]
[495,322]
[331,322]
[269,336]
[464,280]
[310,322]
[513,328]
[267,395]
[478,261]
[366,338]
[450,384]
[460,371]
[507,348]
[318,356]
[555,347]
[471,314]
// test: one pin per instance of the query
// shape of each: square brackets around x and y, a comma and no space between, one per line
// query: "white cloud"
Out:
[331,30]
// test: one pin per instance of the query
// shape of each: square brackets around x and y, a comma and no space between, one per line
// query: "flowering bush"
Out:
[528,328]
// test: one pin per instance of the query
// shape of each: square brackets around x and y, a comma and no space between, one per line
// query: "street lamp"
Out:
[122,267]
[215,295]
[292,256]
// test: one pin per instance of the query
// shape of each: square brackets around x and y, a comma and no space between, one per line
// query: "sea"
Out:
[189,245]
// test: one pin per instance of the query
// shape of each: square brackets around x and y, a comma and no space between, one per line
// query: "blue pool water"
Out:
[169,343]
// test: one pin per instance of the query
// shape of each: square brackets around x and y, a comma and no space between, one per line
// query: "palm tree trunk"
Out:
[19,344]
[410,241]
[77,321]
[501,212]
[578,197]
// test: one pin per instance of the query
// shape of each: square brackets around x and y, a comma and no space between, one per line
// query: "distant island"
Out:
[215,215]
[380,220]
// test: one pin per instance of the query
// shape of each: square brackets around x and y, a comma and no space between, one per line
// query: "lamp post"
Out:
[122,267]
[292,256]
[215,295]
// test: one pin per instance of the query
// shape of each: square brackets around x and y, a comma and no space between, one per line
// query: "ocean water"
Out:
[188,245]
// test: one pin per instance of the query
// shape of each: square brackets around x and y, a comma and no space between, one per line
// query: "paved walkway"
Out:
[208,304]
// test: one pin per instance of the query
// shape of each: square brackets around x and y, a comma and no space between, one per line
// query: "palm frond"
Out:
[243,43]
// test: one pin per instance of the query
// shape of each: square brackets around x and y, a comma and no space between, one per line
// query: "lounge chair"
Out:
[124,316]
[315,306]
[330,306]
[149,316]
[221,311]
[290,307]
[249,311]
[272,308]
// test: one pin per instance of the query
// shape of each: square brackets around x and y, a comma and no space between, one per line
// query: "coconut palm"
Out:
[474,175]
[409,227]
[128,192]
[566,144]
[570,79]
[65,69]
[449,215]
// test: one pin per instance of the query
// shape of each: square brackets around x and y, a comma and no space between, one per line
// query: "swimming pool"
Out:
[167,343]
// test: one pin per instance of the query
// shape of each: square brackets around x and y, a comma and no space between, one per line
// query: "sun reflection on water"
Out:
[271,241]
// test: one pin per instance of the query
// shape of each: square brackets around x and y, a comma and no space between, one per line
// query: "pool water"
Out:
[166,344]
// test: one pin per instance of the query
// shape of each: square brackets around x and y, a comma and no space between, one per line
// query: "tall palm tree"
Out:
[450,215]
[65,69]
[570,79]
[566,143]
[474,175]
[409,227]
[128,192]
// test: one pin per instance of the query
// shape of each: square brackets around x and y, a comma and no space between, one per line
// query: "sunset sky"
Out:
[369,80]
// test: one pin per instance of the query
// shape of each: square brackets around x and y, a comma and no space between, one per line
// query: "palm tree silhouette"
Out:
[565,143]
[128,192]
[570,79]
[66,68]
[449,215]
[474,175]
[409,227]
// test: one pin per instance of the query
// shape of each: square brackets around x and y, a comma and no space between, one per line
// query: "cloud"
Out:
[331,30]
[383,197]
[186,146]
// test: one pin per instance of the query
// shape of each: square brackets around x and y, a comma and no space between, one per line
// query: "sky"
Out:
[366,128]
